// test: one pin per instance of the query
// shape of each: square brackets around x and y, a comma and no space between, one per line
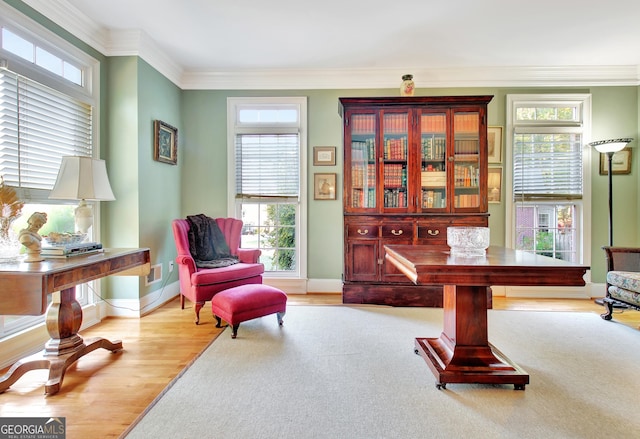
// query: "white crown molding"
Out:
[570,76]
[137,43]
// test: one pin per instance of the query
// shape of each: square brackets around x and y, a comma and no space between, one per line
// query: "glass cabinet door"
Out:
[363,161]
[433,166]
[395,139]
[466,135]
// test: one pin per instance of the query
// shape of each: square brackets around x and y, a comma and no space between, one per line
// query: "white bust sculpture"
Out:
[30,238]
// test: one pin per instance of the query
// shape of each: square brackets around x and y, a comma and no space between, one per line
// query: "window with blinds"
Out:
[39,126]
[547,165]
[267,144]
[267,166]
[548,173]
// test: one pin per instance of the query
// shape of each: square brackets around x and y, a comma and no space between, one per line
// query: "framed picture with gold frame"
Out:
[324,186]
[165,144]
[494,185]
[494,144]
[324,156]
[620,162]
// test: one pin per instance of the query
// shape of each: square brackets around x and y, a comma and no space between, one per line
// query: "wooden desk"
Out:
[462,353]
[24,288]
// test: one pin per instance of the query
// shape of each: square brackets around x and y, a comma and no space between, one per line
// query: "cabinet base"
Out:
[396,294]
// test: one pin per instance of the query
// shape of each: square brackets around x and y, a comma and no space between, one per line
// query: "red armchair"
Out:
[201,284]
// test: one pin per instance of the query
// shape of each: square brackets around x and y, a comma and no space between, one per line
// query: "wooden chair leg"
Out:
[181,301]
[197,307]
[608,305]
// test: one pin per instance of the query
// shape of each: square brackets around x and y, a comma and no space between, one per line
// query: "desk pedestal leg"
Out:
[64,318]
[462,353]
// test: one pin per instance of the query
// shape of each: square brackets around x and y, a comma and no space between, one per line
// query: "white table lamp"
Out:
[82,178]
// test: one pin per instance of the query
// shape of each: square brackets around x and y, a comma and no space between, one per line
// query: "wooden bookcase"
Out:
[412,167]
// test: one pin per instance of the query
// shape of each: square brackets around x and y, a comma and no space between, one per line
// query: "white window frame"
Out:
[583,205]
[293,281]
[89,93]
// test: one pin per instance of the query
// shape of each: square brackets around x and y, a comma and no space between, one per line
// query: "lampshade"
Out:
[82,178]
[611,145]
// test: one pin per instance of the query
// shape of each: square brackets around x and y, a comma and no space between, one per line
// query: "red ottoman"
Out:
[246,302]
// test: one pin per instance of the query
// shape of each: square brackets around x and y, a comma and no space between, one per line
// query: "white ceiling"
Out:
[365,43]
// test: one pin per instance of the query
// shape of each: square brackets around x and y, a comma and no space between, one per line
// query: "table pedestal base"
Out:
[462,353]
[57,364]
[469,365]
[64,318]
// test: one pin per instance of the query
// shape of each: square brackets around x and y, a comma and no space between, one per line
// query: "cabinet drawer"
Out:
[433,233]
[362,231]
[402,231]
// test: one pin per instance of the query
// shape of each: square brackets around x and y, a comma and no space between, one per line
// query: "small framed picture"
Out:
[324,186]
[494,144]
[620,162]
[494,185]
[324,156]
[165,145]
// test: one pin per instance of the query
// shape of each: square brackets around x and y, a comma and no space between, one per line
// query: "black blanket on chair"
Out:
[207,244]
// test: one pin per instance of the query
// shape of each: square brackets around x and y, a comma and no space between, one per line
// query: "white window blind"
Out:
[267,165]
[547,166]
[39,125]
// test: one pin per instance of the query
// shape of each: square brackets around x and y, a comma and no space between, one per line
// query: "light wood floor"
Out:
[103,393]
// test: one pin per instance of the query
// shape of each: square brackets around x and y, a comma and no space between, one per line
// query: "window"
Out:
[47,110]
[549,174]
[267,143]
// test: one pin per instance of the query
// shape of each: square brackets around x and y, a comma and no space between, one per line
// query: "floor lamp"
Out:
[610,147]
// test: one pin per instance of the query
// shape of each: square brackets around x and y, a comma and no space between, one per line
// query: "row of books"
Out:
[363,150]
[396,123]
[430,123]
[467,200]
[395,175]
[433,199]
[433,123]
[466,147]
[395,198]
[395,149]
[466,122]
[433,148]
[363,176]
[365,198]
[363,123]
[466,176]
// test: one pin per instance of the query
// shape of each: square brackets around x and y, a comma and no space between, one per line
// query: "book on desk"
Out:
[70,250]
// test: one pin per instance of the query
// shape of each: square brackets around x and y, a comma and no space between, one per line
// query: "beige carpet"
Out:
[350,372]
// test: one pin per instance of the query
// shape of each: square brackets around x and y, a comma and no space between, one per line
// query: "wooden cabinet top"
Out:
[414,101]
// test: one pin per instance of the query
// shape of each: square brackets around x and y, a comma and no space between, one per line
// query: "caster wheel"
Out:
[415,351]
[441,386]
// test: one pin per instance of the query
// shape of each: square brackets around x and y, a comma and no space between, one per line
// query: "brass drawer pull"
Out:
[363,232]
[433,232]
[396,232]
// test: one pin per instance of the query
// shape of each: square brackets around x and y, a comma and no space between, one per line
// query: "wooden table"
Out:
[24,288]
[462,353]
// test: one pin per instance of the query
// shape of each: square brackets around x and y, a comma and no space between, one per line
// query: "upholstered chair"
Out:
[199,285]
[623,279]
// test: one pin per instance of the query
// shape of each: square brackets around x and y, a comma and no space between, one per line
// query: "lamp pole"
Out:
[610,157]
[610,147]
